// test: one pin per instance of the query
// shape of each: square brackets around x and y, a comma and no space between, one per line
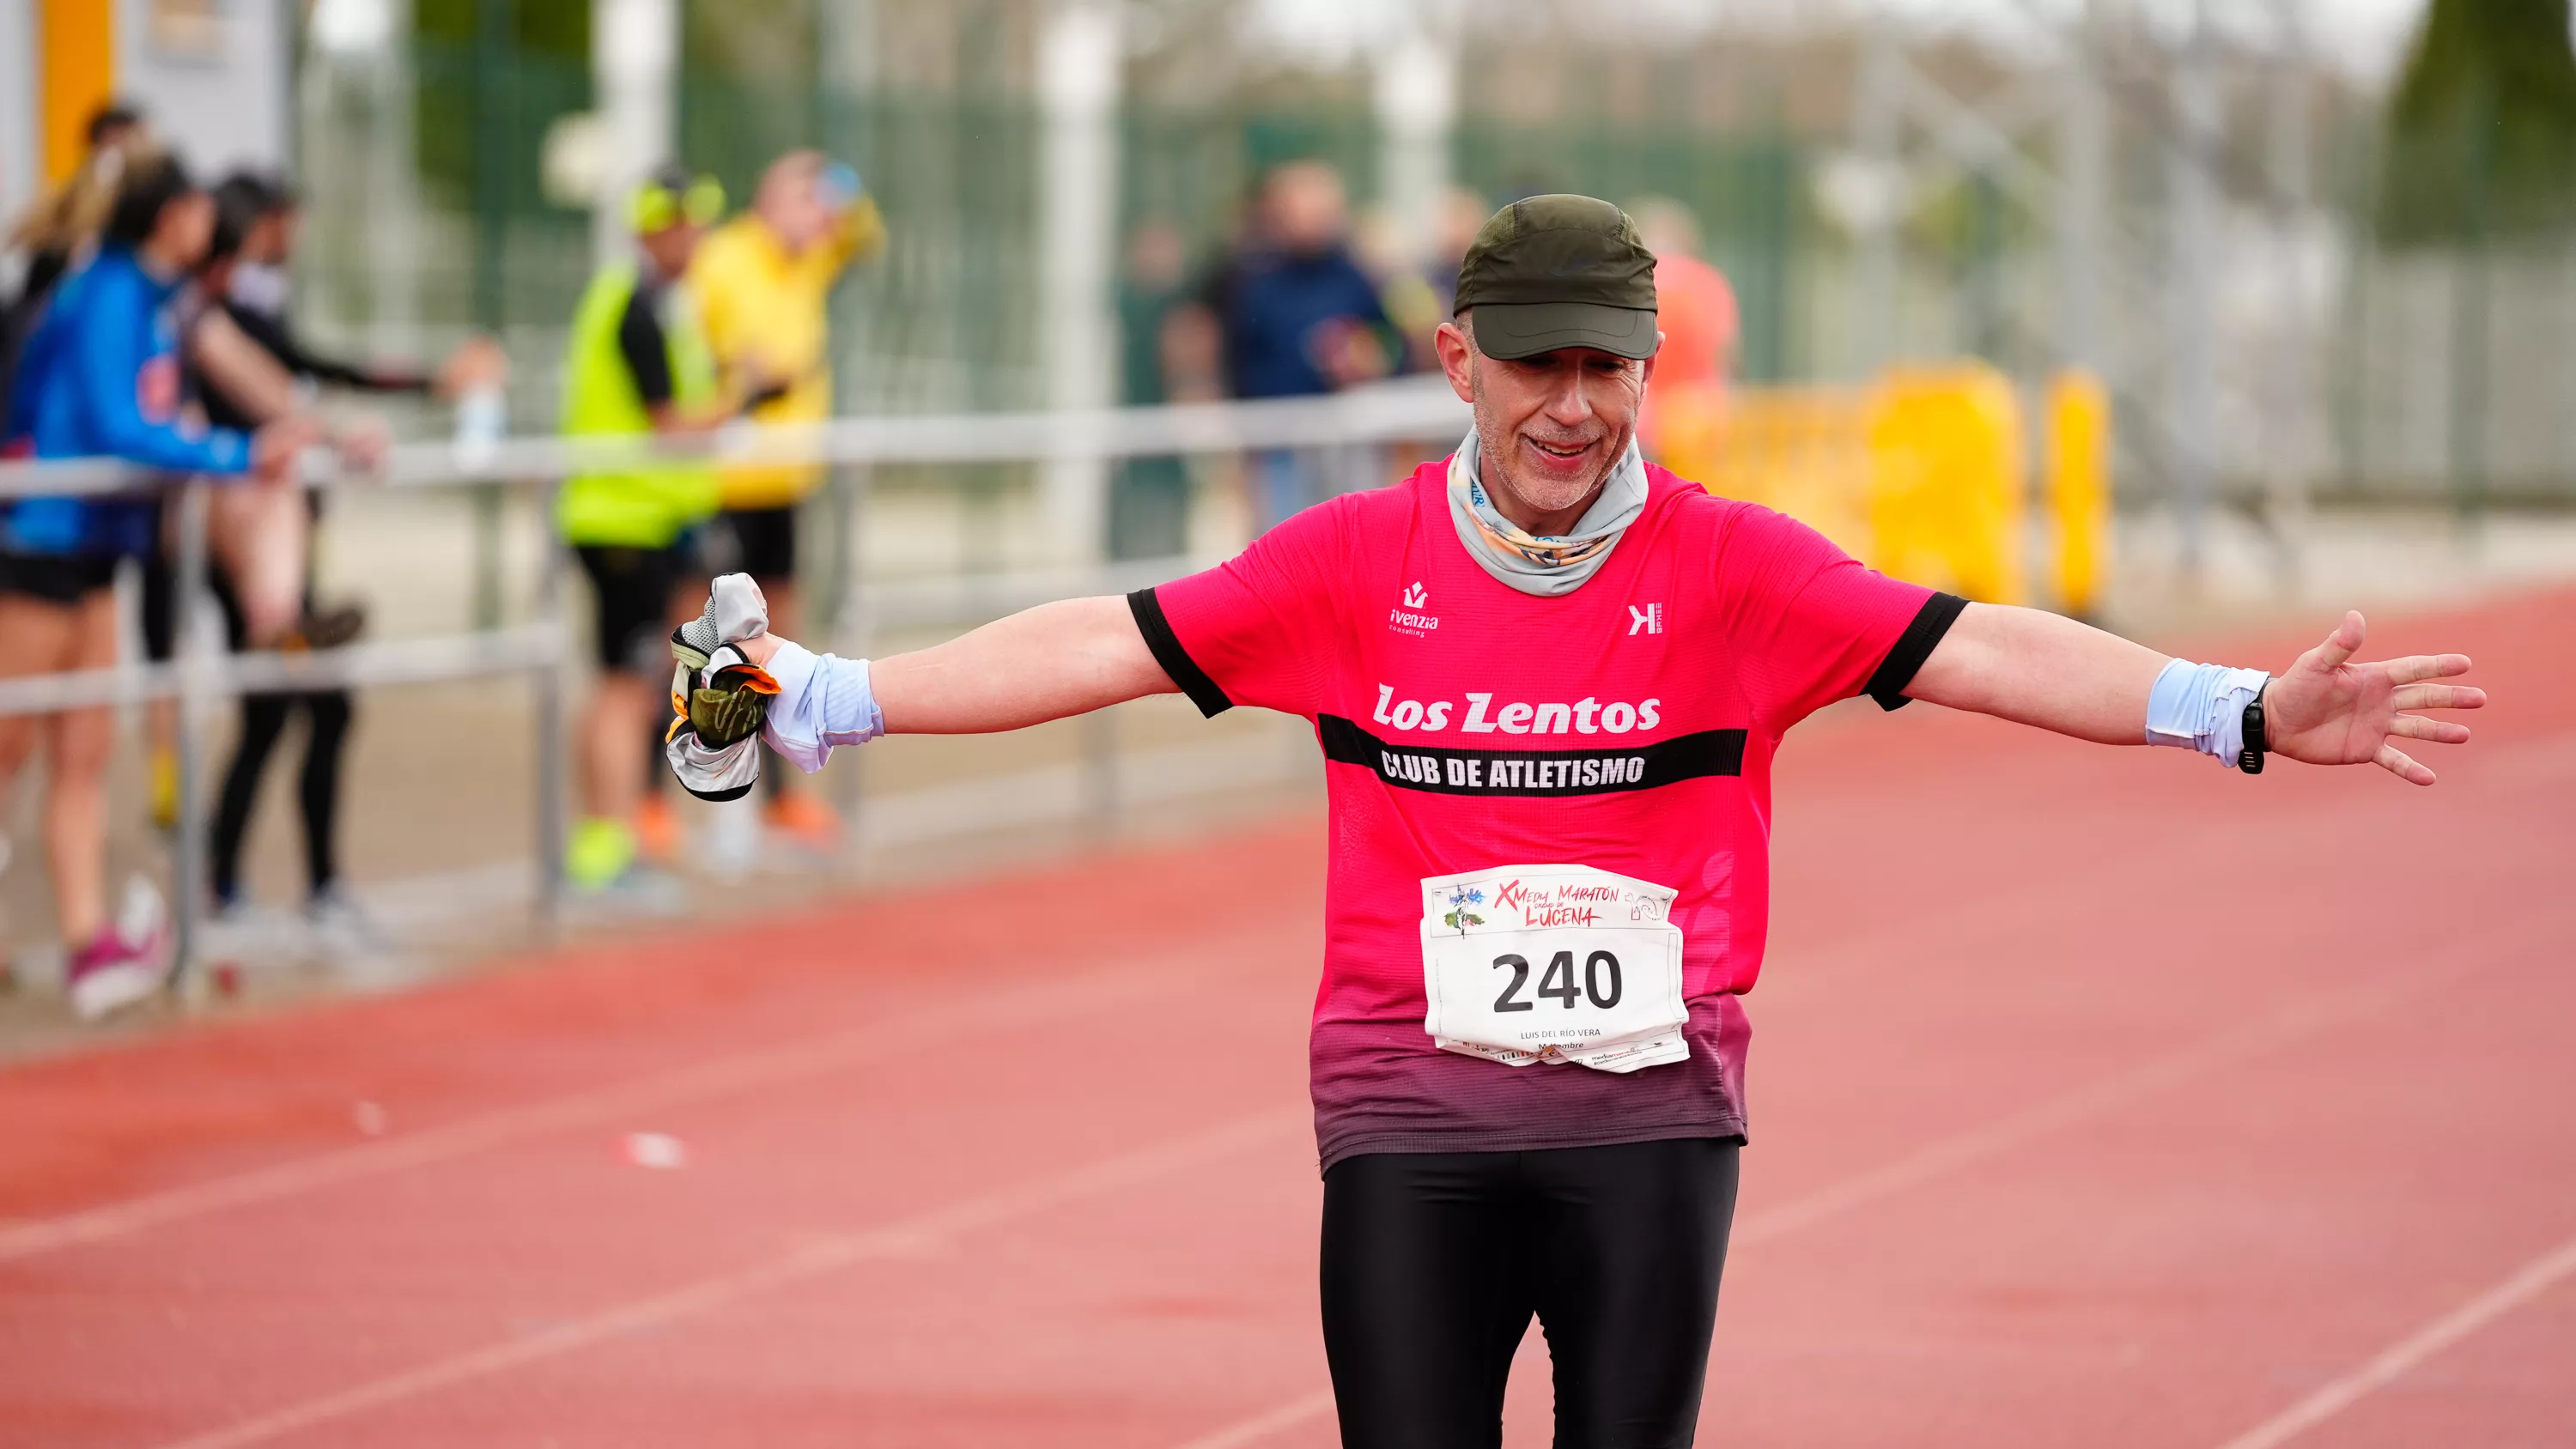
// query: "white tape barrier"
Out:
[1409,408]
[403,661]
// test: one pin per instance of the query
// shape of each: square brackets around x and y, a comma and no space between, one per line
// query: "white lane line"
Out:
[1254,1430]
[2399,1359]
[2293,1023]
[722,1076]
[2289,1024]
[904,1237]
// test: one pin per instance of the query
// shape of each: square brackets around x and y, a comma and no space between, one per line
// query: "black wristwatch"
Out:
[2251,744]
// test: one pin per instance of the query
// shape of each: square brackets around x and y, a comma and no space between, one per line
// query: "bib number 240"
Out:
[1559,982]
[1553,963]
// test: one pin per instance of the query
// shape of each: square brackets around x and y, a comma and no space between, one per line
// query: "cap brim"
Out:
[1511,331]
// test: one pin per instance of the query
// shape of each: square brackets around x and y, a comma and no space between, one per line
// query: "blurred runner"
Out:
[764,283]
[249,368]
[1549,680]
[1300,317]
[1688,400]
[637,365]
[101,377]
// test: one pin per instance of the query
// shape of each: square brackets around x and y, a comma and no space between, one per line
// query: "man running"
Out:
[1549,681]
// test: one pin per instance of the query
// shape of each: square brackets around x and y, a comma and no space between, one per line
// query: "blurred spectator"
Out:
[637,365]
[1462,214]
[1695,308]
[258,292]
[1300,317]
[100,376]
[763,283]
[1420,298]
[1149,498]
[58,232]
[247,364]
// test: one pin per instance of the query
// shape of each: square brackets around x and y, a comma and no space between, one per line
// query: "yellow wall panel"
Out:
[75,75]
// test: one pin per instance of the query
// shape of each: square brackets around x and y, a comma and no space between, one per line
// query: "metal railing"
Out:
[1414,409]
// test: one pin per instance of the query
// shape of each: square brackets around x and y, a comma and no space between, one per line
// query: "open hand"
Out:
[363,445]
[477,363]
[2328,710]
[275,448]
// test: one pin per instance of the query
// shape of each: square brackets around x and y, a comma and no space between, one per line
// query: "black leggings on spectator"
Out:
[264,719]
[1434,1263]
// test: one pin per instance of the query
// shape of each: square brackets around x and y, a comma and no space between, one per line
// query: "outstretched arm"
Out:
[2039,669]
[1059,659]
[735,680]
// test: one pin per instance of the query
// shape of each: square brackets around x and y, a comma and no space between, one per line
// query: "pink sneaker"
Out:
[111,973]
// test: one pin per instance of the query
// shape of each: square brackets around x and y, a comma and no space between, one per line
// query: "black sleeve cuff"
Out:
[1175,660]
[1913,646]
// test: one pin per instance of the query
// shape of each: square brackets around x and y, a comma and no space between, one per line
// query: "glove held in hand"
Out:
[719,699]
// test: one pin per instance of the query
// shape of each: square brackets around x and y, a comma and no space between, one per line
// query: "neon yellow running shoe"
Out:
[600,851]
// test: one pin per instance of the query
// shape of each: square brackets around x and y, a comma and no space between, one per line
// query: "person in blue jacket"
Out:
[100,376]
[1300,317]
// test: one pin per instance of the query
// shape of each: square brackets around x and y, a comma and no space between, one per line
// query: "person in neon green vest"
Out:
[638,365]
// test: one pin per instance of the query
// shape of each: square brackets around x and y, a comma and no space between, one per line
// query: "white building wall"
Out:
[223,104]
[20,155]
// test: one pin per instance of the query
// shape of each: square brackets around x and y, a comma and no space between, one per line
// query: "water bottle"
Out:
[482,420]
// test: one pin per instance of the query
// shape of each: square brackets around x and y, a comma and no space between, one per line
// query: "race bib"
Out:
[1553,963]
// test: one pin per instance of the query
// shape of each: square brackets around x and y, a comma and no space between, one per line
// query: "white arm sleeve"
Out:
[2202,707]
[824,703]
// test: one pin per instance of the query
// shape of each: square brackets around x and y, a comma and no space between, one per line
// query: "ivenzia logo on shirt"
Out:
[1407,617]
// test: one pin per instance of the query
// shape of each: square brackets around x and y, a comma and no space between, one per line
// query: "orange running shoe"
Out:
[657,831]
[805,819]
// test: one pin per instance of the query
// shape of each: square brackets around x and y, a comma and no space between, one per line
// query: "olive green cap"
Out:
[1559,271]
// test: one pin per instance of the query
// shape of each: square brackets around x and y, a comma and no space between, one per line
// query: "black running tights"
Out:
[263,722]
[1434,1263]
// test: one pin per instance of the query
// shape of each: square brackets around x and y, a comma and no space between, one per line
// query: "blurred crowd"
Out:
[1302,299]
[711,321]
[152,322]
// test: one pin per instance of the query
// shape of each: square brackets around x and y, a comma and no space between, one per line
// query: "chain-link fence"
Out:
[2428,372]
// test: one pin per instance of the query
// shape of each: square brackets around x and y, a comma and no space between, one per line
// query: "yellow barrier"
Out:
[1802,450]
[1945,488]
[1920,475]
[2079,487]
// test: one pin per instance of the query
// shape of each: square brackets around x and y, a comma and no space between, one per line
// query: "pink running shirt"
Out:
[1628,725]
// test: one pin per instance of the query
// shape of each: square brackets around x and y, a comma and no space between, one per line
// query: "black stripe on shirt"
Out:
[1533,772]
[1176,661]
[1912,647]
[644,345]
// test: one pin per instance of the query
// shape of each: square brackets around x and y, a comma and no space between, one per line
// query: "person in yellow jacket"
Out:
[638,365]
[763,282]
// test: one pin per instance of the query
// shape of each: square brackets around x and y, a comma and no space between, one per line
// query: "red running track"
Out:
[2101,1098]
